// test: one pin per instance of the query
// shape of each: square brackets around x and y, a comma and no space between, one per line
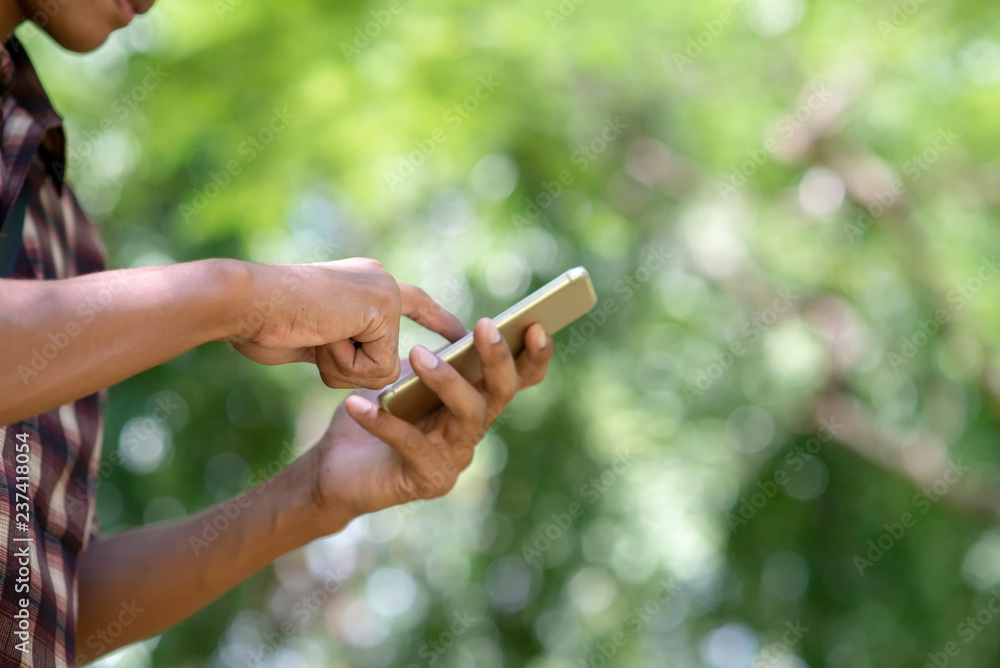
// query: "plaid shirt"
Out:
[64,443]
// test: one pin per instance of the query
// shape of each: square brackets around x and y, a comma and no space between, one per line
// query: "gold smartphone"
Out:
[554,305]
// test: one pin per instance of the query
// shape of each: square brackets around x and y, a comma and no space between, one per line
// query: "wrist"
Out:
[303,512]
[235,281]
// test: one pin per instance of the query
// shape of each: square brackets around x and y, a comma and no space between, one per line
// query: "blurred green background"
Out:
[779,429]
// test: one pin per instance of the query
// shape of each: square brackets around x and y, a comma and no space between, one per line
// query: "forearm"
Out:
[65,339]
[149,579]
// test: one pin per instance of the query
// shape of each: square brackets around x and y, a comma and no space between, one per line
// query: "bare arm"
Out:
[62,340]
[144,581]
[65,339]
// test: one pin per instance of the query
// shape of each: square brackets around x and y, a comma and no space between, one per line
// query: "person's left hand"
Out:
[369,460]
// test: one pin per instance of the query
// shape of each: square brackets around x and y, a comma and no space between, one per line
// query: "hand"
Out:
[341,316]
[369,460]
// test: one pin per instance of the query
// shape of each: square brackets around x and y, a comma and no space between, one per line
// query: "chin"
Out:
[78,25]
[81,33]
[81,43]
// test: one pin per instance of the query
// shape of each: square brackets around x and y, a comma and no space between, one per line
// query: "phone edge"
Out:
[451,350]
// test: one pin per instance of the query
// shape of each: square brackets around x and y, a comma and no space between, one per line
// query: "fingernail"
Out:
[494,333]
[543,341]
[362,405]
[425,358]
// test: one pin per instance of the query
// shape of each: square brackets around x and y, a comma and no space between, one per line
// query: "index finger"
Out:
[421,309]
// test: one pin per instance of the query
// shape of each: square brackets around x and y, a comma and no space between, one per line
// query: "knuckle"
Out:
[411,491]
[413,441]
[387,296]
[434,485]
[374,383]
[533,378]
[502,356]
[446,484]
[508,391]
[418,314]
[464,455]
[477,412]
[384,277]
[329,378]
[491,416]
[376,312]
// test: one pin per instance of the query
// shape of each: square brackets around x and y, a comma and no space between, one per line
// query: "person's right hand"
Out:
[342,316]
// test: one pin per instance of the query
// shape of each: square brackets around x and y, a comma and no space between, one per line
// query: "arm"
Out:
[65,339]
[146,580]
[368,460]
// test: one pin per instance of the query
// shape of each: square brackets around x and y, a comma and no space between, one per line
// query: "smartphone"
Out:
[554,305]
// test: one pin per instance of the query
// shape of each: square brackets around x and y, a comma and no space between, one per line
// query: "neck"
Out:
[10,17]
